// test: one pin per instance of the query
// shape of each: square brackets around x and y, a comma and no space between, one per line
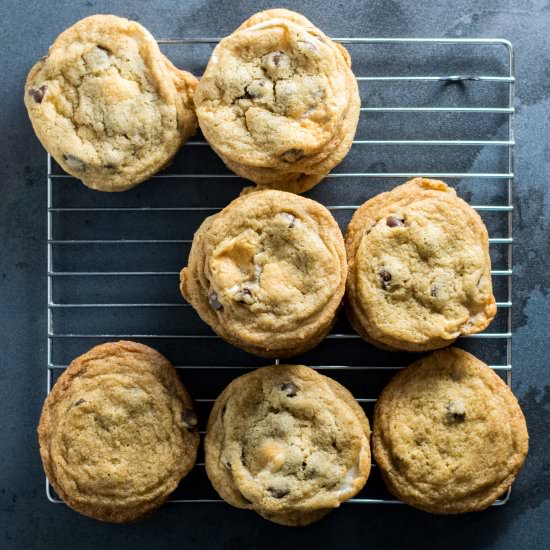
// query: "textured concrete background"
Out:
[27,520]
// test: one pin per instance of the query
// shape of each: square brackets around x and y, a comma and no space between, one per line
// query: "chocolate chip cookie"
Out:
[117,432]
[108,105]
[267,273]
[419,268]
[449,435]
[288,443]
[278,101]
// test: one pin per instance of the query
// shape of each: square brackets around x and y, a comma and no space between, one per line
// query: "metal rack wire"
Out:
[64,299]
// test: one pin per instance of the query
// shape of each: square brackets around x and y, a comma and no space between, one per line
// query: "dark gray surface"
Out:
[27,520]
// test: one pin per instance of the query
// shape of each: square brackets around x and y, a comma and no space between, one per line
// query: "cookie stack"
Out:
[449,436]
[419,268]
[269,272]
[109,107]
[278,101]
[118,432]
[287,442]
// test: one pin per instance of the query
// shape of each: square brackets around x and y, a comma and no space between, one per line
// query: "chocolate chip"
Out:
[278,493]
[74,163]
[394,221]
[255,90]
[251,93]
[104,48]
[79,402]
[189,419]
[244,296]
[215,304]
[291,388]
[385,278]
[456,411]
[456,375]
[276,65]
[312,472]
[38,93]
[292,155]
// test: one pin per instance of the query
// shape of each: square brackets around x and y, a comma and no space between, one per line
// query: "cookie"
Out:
[278,101]
[117,432]
[448,436]
[419,268]
[267,273]
[288,443]
[109,107]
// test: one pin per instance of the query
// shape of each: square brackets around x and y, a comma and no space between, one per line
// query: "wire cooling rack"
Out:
[440,108]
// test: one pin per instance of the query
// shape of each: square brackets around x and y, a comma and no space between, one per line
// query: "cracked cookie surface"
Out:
[267,273]
[278,101]
[117,432]
[288,443]
[108,105]
[448,435]
[419,268]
